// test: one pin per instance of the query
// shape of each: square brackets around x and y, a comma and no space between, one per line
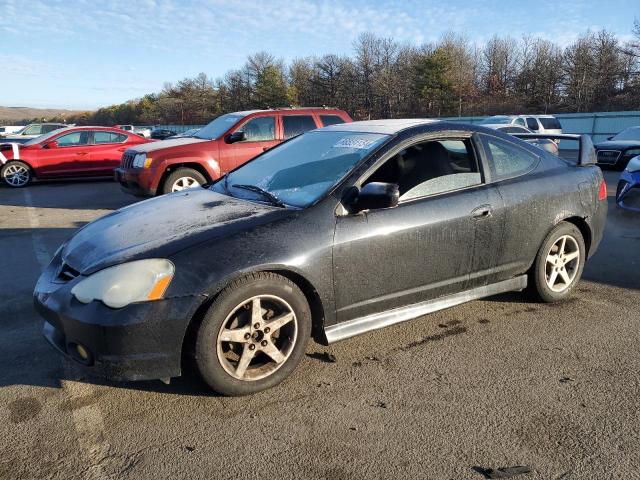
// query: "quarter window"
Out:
[506,159]
[330,120]
[430,168]
[108,137]
[260,129]
[295,125]
[73,139]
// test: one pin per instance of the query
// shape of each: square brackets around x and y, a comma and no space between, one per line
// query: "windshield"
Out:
[43,138]
[496,121]
[632,133]
[302,170]
[219,126]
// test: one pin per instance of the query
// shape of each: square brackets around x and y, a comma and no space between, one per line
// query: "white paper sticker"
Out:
[359,143]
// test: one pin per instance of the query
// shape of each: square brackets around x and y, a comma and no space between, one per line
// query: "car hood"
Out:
[617,144]
[171,142]
[160,227]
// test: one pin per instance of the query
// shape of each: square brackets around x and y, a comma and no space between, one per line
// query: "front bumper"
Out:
[141,341]
[628,191]
[138,182]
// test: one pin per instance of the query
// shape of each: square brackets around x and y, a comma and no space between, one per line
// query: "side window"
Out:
[50,128]
[260,129]
[100,137]
[330,120]
[33,130]
[506,159]
[73,139]
[532,123]
[295,125]
[430,168]
[520,121]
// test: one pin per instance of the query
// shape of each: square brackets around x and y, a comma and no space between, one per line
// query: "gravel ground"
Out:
[496,383]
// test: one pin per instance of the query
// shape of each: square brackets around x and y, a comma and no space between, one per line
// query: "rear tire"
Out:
[559,263]
[16,174]
[182,179]
[253,335]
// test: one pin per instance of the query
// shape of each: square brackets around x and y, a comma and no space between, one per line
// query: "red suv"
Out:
[224,144]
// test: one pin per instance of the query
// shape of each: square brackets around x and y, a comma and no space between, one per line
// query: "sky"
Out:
[84,54]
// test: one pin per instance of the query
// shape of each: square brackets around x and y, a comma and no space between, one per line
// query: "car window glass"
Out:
[33,130]
[330,120]
[430,168]
[532,123]
[519,121]
[260,129]
[100,137]
[73,139]
[506,159]
[49,128]
[551,123]
[294,125]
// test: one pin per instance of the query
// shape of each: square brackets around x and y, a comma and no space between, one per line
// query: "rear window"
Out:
[330,120]
[295,125]
[550,123]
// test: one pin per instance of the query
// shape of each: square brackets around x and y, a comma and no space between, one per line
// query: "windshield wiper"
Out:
[253,188]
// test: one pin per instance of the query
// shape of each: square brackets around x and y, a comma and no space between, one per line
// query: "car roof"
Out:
[287,110]
[386,127]
[89,127]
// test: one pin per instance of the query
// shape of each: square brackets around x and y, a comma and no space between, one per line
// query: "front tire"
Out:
[182,179]
[16,174]
[559,263]
[253,335]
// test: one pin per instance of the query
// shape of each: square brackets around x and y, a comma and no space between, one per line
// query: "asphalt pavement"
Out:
[502,382]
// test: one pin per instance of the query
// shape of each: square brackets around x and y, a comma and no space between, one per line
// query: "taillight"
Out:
[602,192]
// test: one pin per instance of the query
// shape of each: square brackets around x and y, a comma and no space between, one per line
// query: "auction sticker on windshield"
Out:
[360,143]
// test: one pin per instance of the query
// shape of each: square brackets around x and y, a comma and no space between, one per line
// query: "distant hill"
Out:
[10,115]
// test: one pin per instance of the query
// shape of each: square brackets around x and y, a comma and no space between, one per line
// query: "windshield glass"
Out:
[219,126]
[43,138]
[496,121]
[302,170]
[632,133]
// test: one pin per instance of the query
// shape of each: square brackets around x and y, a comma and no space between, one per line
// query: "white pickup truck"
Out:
[142,131]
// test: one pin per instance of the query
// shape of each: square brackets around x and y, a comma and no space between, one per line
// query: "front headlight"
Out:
[138,160]
[118,286]
[633,165]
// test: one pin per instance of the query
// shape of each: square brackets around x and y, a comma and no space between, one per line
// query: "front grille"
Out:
[608,156]
[66,273]
[127,160]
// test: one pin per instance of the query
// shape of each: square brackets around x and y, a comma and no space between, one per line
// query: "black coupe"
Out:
[334,233]
[618,150]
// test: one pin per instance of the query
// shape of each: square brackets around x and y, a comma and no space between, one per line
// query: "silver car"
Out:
[543,143]
[536,123]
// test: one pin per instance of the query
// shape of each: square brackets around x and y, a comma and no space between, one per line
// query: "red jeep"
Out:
[224,144]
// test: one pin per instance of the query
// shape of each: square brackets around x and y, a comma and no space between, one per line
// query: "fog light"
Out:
[82,352]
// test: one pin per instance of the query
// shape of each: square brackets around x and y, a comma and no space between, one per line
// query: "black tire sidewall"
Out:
[206,357]
[539,270]
[179,173]
[15,162]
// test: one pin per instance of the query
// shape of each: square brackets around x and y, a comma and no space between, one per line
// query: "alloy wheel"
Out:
[257,337]
[563,260]
[184,183]
[16,175]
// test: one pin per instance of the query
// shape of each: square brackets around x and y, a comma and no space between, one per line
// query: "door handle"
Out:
[264,149]
[481,212]
[82,153]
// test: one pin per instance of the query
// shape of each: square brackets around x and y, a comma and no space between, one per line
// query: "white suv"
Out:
[536,123]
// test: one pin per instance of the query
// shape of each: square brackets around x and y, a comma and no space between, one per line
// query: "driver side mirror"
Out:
[376,195]
[238,136]
[51,144]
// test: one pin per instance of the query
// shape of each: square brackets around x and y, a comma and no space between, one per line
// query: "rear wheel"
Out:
[559,263]
[182,179]
[16,174]
[253,335]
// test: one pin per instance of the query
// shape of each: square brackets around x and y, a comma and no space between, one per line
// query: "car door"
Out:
[106,152]
[425,247]
[66,156]
[511,168]
[261,135]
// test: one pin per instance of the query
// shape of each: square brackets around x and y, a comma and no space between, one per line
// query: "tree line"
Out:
[385,79]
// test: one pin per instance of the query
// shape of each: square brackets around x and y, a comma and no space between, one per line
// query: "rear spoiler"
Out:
[586,152]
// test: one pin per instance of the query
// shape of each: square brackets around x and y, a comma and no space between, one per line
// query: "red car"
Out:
[224,144]
[68,152]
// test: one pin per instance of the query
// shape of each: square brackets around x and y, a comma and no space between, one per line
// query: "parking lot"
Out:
[496,383]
